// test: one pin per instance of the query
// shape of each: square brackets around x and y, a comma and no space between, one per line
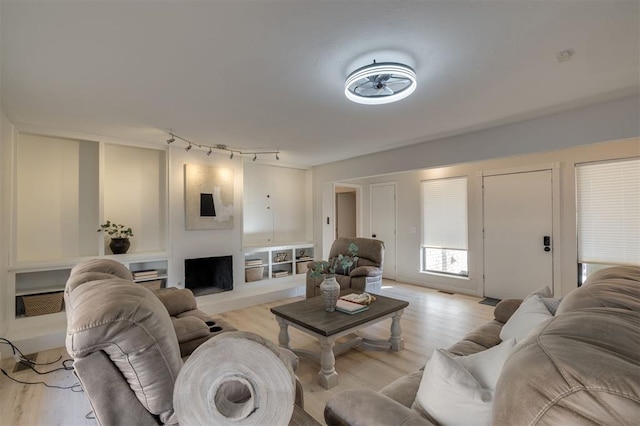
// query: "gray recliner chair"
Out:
[365,275]
[126,352]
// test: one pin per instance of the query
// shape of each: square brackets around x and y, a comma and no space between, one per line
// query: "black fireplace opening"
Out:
[208,275]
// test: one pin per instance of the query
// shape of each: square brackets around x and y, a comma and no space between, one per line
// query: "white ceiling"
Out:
[269,74]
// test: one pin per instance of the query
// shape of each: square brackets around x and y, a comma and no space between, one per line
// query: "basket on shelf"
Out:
[301,267]
[41,304]
[254,274]
[152,285]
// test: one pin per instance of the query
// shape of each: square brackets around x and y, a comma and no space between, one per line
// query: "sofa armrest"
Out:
[112,400]
[370,408]
[366,271]
[176,300]
[505,309]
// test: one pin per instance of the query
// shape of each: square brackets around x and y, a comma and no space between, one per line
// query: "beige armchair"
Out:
[126,346]
[365,275]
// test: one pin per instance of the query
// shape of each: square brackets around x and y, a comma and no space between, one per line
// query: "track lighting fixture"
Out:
[220,147]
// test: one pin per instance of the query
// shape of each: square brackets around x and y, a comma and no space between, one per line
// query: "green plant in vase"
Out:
[330,289]
[119,234]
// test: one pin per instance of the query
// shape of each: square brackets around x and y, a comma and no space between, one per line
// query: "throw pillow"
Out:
[530,313]
[459,390]
[551,304]
[541,292]
[486,366]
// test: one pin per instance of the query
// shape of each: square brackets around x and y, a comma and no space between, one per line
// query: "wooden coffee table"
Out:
[310,317]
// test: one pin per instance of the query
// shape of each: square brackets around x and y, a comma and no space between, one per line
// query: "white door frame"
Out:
[395,224]
[329,213]
[556,222]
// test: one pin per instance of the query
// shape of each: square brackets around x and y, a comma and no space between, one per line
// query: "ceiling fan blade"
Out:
[367,91]
[397,85]
[386,91]
[398,79]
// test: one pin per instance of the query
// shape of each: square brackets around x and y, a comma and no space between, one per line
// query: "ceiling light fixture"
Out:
[220,147]
[380,83]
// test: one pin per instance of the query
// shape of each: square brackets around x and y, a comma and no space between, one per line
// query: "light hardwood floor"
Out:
[432,320]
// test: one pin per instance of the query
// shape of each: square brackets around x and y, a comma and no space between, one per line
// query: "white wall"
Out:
[207,243]
[6,135]
[409,211]
[496,148]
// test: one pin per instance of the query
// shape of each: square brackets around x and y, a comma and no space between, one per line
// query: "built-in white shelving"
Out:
[87,183]
[275,262]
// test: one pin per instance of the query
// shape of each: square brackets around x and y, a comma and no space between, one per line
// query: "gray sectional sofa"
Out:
[579,366]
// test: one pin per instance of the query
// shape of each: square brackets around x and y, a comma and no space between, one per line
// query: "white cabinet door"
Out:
[289,213]
[257,205]
[274,205]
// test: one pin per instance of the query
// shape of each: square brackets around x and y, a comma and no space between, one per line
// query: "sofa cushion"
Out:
[581,368]
[107,266]
[404,389]
[459,390]
[541,292]
[132,327]
[189,328]
[617,287]
[505,308]
[482,337]
[177,300]
[529,315]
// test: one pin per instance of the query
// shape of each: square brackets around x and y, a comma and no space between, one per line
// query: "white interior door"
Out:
[383,224]
[518,215]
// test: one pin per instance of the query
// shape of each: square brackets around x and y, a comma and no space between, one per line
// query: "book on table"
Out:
[350,307]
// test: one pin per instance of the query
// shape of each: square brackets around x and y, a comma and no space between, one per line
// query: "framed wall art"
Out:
[208,197]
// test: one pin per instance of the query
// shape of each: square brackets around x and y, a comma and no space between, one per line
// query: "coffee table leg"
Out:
[283,336]
[327,377]
[396,340]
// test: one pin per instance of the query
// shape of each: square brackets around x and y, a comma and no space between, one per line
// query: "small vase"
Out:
[330,290]
[119,245]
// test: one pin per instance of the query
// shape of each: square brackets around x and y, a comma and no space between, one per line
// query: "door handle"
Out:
[373,235]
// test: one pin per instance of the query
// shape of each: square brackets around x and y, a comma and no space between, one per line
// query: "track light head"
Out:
[188,148]
[170,141]
[231,156]
[255,157]
[277,156]
[210,150]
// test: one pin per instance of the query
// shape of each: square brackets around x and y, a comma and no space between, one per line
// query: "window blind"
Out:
[444,209]
[608,212]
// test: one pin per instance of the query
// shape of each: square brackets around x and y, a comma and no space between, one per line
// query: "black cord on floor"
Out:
[64,367]
[22,359]
[76,387]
